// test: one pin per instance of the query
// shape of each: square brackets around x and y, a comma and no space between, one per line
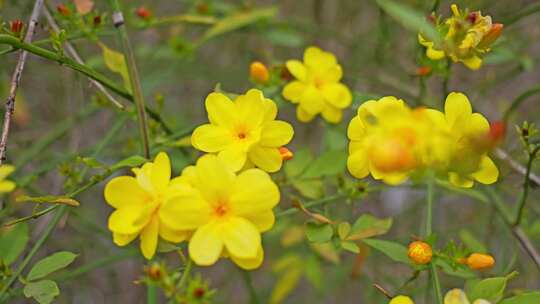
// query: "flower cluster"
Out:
[454,296]
[393,142]
[317,88]
[219,208]
[465,37]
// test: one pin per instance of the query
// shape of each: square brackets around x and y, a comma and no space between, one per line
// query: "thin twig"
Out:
[16,79]
[524,194]
[516,166]
[73,53]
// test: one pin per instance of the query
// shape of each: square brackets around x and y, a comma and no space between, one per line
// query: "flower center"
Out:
[242,135]
[319,83]
[221,209]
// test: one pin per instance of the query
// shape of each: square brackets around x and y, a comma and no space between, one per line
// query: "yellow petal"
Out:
[234,157]
[293,91]
[356,129]
[460,181]
[221,110]
[6,170]
[264,221]
[318,59]
[254,192]
[487,173]
[456,296]
[297,69]
[172,235]
[268,159]
[276,133]
[186,211]
[160,173]
[125,191]
[303,116]
[337,94]
[270,110]
[149,238]
[215,178]
[358,165]
[457,109]
[251,108]
[332,114]
[128,220]
[211,138]
[473,63]
[241,237]
[143,177]
[206,245]
[333,74]
[312,101]
[477,126]
[6,186]
[434,54]
[123,239]
[250,264]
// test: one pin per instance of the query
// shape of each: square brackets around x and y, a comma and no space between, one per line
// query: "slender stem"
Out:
[118,20]
[151,294]
[83,69]
[254,299]
[435,6]
[16,80]
[523,199]
[185,274]
[434,276]
[516,166]
[436,283]
[310,204]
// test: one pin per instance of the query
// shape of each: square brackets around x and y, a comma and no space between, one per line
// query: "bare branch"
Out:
[500,153]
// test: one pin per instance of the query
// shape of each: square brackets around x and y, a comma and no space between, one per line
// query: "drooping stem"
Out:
[434,276]
[523,198]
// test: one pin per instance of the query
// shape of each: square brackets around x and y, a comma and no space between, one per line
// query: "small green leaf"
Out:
[460,271]
[491,289]
[319,233]
[130,162]
[343,230]
[309,188]
[13,240]
[393,250]
[116,62]
[472,243]
[49,199]
[51,264]
[368,226]
[524,298]
[350,246]
[42,291]
[329,163]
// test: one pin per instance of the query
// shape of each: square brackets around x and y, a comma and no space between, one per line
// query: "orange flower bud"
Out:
[480,261]
[63,10]
[497,131]
[286,154]
[259,72]
[423,71]
[143,13]
[16,26]
[420,252]
[491,36]
[97,20]
[153,272]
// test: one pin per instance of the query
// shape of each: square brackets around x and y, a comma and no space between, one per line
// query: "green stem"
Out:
[85,70]
[254,299]
[312,204]
[151,294]
[436,283]
[429,230]
[523,199]
[133,76]
[185,275]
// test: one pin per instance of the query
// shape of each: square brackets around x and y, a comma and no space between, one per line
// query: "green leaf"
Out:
[410,19]
[49,199]
[472,243]
[393,250]
[368,226]
[309,188]
[319,233]
[459,271]
[329,163]
[350,246]
[237,21]
[285,37]
[130,162]
[335,138]
[313,272]
[51,264]
[296,166]
[491,289]
[524,298]
[343,230]
[42,291]
[13,240]
[116,62]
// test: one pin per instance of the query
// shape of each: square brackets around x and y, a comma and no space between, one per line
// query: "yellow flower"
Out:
[466,37]
[457,296]
[6,185]
[243,133]
[138,201]
[317,88]
[401,300]
[227,212]
[420,252]
[468,131]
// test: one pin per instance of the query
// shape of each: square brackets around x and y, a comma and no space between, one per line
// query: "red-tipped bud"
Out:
[143,13]
[497,131]
[16,26]
[97,20]
[286,154]
[493,34]
[423,71]
[63,10]
[199,292]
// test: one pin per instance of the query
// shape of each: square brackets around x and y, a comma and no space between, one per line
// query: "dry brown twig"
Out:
[16,79]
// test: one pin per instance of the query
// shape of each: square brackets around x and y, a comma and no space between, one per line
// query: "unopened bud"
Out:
[199,292]
[420,252]
[286,154]
[423,71]
[143,13]
[480,261]
[497,130]
[259,72]
[153,272]
[63,10]
[284,74]
[97,20]
[493,34]
[16,26]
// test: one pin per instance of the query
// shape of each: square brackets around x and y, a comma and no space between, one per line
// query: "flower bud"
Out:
[154,272]
[420,252]
[479,261]
[491,36]
[259,72]
[199,293]
[497,130]
[63,10]
[401,300]
[97,20]
[423,71]
[16,26]
[143,13]
[286,154]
